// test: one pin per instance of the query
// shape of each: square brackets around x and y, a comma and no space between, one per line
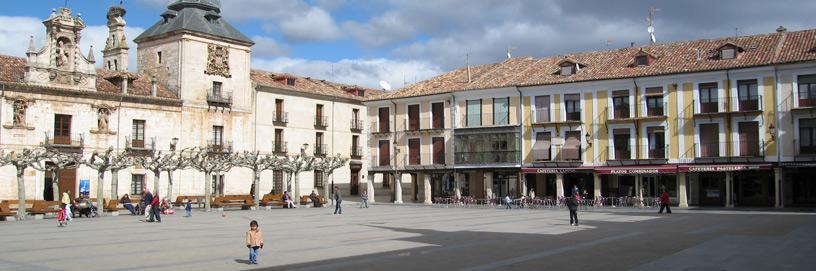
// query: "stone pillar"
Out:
[638,186]
[729,179]
[681,190]
[457,184]
[597,180]
[370,187]
[398,188]
[778,199]
[488,184]
[559,185]
[523,184]
[426,183]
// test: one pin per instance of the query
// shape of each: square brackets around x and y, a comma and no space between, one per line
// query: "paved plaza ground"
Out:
[388,237]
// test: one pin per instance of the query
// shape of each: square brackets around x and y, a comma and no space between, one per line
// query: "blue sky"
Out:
[403,41]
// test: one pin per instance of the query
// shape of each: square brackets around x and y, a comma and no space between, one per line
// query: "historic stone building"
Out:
[194,88]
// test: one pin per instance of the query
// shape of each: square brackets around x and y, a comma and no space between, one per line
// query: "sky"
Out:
[362,42]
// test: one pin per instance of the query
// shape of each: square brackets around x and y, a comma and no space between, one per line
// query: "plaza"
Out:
[414,237]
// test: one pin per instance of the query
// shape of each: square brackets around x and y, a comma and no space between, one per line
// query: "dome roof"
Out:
[198,16]
[203,4]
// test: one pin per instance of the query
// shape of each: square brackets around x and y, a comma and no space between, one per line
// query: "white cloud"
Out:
[363,72]
[314,25]
[266,47]
[381,31]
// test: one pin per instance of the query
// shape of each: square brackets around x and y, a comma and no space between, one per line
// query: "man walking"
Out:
[664,202]
[155,208]
[338,200]
[572,204]
[148,198]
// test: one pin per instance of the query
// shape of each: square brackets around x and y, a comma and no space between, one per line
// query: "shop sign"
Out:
[549,170]
[723,168]
[637,170]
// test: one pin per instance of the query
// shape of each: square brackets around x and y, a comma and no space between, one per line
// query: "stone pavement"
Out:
[388,237]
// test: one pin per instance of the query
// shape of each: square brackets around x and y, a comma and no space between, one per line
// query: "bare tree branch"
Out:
[55,160]
[22,160]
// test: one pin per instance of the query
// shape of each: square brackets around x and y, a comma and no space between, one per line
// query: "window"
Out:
[318,179]
[807,136]
[474,113]
[438,144]
[709,140]
[542,146]
[542,109]
[654,101]
[355,146]
[277,182]
[355,114]
[384,125]
[216,89]
[567,68]
[748,95]
[749,143]
[62,129]
[657,142]
[709,103]
[138,134]
[413,117]
[728,53]
[159,57]
[320,119]
[137,184]
[319,147]
[279,116]
[290,81]
[620,103]
[217,185]
[438,112]
[218,135]
[572,104]
[501,111]
[385,153]
[620,139]
[807,90]
[360,92]
[280,145]
[414,156]
[572,146]
[115,65]
[642,60]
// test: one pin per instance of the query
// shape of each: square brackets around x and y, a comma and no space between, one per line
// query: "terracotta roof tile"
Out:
[310,85]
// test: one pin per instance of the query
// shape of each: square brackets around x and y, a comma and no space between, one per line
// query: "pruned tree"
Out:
[21,161]
[256,162]
[103,162]
[119,162]
[175,161]
[294,166]
[210,163]
[327,166]
[55,160]
[152,163]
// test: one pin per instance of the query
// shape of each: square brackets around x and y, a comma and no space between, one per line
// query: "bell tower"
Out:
[116,48]
[60,60]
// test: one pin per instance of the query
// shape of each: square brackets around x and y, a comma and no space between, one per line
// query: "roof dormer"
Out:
[729,50]
[285,79]
[643,58]
[569,66]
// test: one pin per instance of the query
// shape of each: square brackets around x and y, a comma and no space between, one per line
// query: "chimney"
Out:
[632,44]
[125,84]
[153,86]
[781,29]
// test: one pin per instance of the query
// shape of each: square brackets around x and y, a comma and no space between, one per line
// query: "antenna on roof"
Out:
[650,19]
[467,63]
[510,52]
[736,32]
[385,85]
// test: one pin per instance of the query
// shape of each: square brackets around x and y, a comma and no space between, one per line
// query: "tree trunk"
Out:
[297,189]
[169,186]
[114,183]
[55,184]
[21,206]
[256,180]
[156,179]
[207,187]
[326,187]
[289,182]
[100,198]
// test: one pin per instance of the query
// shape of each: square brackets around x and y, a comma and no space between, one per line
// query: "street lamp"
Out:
[173,143]
[303,149]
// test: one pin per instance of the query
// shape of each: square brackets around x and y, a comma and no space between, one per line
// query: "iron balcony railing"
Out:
[379,128]
[558,153]
[219,146]
[486,120]
[655,109]
[140,144]
[551,115]
[487,157]
[356,125]
[280,117]
[320,149]
[418,124]
[740,148]
[64,140]
[424,159]
[280,147]
[356,152]
[321,121]
[632,152]
[804,151]
[219,97]
[746,103]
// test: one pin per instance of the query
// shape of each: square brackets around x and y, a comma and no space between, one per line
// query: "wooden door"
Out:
[572,146]
[62,129]
[385,153]
[438,112]
[413,151]
[383,120]
[438,150]
[68,182]
[413,117]
[709,140]
[278,110]
[749,138]
[355,182]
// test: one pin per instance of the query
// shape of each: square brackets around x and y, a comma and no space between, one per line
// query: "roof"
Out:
[200,16]
[12,70]
[310,85]
[673,58]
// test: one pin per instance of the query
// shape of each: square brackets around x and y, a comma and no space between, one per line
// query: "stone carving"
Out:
[218,61]
[62,54]
[102,118]
[20,107]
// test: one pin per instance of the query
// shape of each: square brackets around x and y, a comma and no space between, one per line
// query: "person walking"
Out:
[254,241]
[188,208]
[508,201]
[155,209]
[66,199]
[364,199]
[572,204]
[338,200]
[147,198]
[664,202]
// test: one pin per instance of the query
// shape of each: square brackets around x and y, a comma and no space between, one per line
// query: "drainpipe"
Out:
[637,121]
[780,192]
[453,141]
[519,115]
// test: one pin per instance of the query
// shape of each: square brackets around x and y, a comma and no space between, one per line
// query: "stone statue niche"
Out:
[20,107]
[102,122]
[62,53]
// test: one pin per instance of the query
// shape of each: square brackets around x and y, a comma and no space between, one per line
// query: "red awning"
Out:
[722,168]
[554,170]
[661,169]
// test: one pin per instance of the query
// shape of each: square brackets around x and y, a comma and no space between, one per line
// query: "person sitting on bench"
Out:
[288,199]
[315,200]
[128,204]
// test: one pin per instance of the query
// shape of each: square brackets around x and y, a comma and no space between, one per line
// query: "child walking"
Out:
[188,208]
[254,241]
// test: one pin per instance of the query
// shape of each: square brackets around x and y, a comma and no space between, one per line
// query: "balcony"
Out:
[424,161]
[65,142]
[655,110]
[751,103]
[219,98]
[356,125]
[558,156]
[422,126]
[803,153]
[486,120]
[280,118]
[320,150]
[356,152]
[280,148]
[321,122]
[139,146]
[219,146]
[741,151]
[623,155]
[554,117]
[380,129]
[382,162]
[487,157]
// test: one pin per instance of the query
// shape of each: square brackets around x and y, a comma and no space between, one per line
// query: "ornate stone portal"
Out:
[218,61]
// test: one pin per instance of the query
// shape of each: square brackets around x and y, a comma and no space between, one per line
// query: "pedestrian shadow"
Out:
[243,261]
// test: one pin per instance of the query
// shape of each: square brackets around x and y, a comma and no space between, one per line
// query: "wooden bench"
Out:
[243,201]
[182,200]
[305,200]
[13,205]
[113,206]
[5,210]
[273,200]
[45,207]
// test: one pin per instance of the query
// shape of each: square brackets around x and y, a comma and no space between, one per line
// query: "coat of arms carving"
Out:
[218,61]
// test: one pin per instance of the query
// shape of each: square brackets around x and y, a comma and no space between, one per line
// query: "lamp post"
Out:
[397,177]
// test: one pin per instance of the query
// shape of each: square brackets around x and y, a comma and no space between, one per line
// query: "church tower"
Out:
[116,48]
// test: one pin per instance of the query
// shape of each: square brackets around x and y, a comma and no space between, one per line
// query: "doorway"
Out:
[712,189]
[355,182]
